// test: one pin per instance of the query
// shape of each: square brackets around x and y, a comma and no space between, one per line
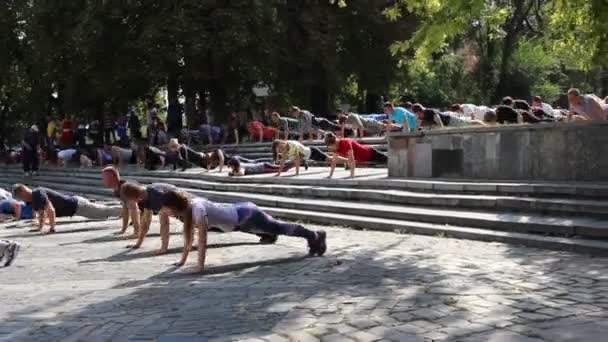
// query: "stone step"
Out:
[558,206]
[503,221]
[580,245]
[368,178]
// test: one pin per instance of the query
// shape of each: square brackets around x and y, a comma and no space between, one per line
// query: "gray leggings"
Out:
[96,211]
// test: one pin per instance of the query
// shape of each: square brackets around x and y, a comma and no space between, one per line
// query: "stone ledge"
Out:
[501,128]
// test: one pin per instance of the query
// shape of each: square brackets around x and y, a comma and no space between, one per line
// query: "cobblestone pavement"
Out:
[82,284]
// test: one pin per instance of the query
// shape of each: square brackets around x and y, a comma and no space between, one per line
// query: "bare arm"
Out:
[135,219]
[281,163]
[236,135]
[125,219]
[50,212]
[297,161]
[352,163]
[202,244]
[332,166]
[164,233]
[41,219]
[438,121]
[17,209]
[220,157]
[188,236]
[143,228]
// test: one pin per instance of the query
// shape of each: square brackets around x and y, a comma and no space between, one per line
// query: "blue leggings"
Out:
[252,219]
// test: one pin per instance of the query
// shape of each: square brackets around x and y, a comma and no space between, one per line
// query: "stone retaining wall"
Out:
[559,152]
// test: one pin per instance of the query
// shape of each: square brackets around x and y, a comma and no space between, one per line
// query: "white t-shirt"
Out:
[547,108]
[4,195]
[472,111]
[222,216]
[66,154]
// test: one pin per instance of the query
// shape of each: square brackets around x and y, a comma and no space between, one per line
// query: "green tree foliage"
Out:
[91,59]
[439,83]
[574,32]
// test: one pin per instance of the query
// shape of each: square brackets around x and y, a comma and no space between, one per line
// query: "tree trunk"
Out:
[513,30]
[202,102]
[371,103]
[172,89]
[218,97]
[192,116]
[319,100]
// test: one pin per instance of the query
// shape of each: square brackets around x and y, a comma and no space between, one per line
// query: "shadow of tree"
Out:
[256,296]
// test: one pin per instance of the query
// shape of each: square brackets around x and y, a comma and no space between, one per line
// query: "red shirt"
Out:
[67,133]
[362,153]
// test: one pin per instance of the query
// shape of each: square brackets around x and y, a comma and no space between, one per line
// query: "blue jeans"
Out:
[252,219]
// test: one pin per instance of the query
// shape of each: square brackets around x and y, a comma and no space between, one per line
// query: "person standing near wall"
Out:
[67,132]
[29,152]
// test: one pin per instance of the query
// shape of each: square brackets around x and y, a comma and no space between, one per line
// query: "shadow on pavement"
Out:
[127,255]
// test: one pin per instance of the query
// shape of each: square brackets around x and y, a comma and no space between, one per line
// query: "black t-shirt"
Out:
[521,104]
[32,138]
[428,117]
[506,114]
[95,134]
[154,198]
[64,205]
[528,116]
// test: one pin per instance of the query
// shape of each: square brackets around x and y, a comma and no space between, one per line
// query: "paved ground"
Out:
[82,284]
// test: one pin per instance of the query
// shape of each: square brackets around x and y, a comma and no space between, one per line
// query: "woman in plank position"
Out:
[248,168]
[295,152]
[201,213]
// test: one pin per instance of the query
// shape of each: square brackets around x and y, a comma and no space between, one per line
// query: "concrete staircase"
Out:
[563,216]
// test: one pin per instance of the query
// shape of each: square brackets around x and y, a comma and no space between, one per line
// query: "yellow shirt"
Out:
[51,128]
[296,147]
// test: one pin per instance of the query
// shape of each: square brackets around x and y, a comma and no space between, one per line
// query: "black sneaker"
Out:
[322,237]
[318,246]
[268,239]
[11,254]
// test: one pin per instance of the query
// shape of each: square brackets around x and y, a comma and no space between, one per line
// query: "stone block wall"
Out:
[556,152]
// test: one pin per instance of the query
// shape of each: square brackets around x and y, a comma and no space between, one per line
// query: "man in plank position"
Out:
[149,199]
[47,203]
[111,179]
